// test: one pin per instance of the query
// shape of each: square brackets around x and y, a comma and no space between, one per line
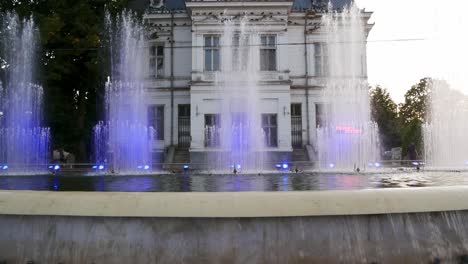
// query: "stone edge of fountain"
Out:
[234,205]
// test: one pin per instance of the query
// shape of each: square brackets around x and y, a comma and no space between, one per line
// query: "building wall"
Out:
[294,81]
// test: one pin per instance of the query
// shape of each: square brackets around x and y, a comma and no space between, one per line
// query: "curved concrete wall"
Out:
[235,204]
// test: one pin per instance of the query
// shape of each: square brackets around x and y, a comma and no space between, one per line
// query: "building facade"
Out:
[184,57]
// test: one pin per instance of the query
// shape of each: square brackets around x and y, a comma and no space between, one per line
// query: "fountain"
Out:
[124,141]
[237,131]
[348,139]
[24,144]
[445,139]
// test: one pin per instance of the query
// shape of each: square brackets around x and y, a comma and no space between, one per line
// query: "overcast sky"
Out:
[437,45]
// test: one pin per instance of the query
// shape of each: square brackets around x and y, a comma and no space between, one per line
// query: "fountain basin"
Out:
[232,204]
[410,225]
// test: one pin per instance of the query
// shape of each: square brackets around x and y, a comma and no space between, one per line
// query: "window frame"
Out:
[215,50]
[156,119]
[216,123]
[156,54]
[268,46]
[270,130]
[321,59]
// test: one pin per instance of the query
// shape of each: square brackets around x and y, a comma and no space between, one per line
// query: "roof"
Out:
[175,4]
[308,4]
[298,4]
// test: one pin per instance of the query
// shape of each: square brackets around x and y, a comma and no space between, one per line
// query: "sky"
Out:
[413,39]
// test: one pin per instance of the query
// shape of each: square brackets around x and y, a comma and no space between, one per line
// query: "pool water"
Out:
[233,182]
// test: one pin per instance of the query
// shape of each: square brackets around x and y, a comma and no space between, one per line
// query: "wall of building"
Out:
[294,82]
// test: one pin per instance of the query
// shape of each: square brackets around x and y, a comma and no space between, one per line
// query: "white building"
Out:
[182,81]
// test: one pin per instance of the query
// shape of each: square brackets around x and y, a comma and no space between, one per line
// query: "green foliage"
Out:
[73,59]
[415,105]
[413,114]
[385,113]
[412,134]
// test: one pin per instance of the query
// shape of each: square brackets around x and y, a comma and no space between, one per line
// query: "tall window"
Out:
[270,129]
[268,53]
[321,59]
[212,130]
[320,119]
[240,52]
[156,120]
[212,51]
[157,60]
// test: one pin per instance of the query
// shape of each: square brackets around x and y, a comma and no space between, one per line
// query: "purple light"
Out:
[57,167]
[101,167]
[278,166]
[146,167]
[415,163]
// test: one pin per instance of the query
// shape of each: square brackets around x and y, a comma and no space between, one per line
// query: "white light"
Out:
[331,165]
[285,166]
[146,167]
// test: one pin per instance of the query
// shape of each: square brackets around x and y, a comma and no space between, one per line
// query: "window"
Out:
[212,51]
[268,53]
[212,130]
[321,59]
[156,120]
[270,129]
[240,52]
[320,120]
[157,60]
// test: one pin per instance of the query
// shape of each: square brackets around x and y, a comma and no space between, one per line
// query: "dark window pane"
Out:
[208,60]
[216,61]
[160,50]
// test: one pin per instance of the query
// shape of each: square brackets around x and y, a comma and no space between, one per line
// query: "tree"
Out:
[73,64]
[413,114]
[385,113]
[415,105]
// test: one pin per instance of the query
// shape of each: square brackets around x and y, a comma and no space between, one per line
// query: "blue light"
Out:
[370,164]
[51,167]
[146,167]
[238,166]
[331,165]
[415,163]
[94,167]
[285,166]
[101,167]
[278,166]
[466,162]
[140,167]
[56,167]
[377,164]
[5,167]
[186,167]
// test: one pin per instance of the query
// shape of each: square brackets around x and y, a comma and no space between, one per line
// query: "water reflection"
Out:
[231,183]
